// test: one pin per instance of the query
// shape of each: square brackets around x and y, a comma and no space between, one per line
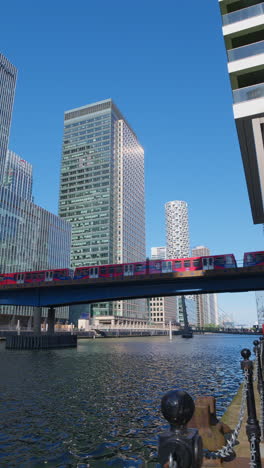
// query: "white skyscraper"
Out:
[177,229]
[207,311]
[178,246]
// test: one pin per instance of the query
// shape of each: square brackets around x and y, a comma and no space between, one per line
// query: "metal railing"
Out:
[245,51]
[243,14]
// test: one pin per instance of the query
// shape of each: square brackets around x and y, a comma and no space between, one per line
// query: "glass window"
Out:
[140,267]
[197,262]
[103,270]
[219,261]
[187,263]
[177,264]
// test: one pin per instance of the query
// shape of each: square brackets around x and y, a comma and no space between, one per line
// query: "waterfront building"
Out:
[102,195]
[162,309]
[8,76]
[178,245]
[207,310]
[31,238]
[260,307]
[243,31]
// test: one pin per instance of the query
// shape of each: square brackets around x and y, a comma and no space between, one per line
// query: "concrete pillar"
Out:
[51,320]
[37,320]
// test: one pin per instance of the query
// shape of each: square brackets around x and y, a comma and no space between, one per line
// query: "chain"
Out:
[227,449]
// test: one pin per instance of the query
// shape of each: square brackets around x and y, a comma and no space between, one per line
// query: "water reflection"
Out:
[99,405]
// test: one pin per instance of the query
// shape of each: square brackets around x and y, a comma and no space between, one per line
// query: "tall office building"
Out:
[102,194]
[207,311]
[243,31]
[8,75]
[17,176]
[178,246]
[162,309]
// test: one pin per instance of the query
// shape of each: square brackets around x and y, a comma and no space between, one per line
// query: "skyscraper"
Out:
[177,229]
[102,193]
[243,31]
[178,246]
[8,75]
[207,311]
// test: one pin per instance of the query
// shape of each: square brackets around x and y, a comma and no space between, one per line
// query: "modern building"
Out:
[243,31]
[260,307]
[207,310]
[17,176]
[31,238]
[162,309]
[178,246]
[102,195]
[8,76]
[177,229]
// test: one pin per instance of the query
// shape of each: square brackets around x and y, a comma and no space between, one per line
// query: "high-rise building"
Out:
[17,176]
[8,75]
[243,31]
[177,229]
[178,246]
[162,309]
[102,194]
[207,311]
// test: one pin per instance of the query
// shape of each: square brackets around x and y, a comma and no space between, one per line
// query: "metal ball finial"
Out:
[256,342]
[245,353]
[177,407]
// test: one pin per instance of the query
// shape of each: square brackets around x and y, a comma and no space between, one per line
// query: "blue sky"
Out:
[164,65]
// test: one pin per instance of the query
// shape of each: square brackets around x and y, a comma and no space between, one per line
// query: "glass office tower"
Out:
[8,75]
[102,194]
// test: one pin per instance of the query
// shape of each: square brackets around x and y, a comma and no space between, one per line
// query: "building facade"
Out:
[17,176]
[8,76]
[162,309]
[102,195]
[243,31]
[207,310]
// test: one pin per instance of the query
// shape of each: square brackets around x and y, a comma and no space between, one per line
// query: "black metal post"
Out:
[260,385]
[179,447]
[252,427]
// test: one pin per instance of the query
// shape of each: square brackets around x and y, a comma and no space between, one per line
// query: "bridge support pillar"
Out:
[51,320]
[37,320]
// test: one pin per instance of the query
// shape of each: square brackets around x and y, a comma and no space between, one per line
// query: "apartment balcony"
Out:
[245,13]
[246,51]
[245,18]
[248,93]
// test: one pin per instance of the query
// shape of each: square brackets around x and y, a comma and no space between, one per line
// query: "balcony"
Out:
[245,13]
[248,93]
[246,51]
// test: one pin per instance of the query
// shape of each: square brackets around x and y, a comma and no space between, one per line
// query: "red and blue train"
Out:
[152,267]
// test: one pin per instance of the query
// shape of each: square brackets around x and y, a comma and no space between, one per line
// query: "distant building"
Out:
[260,307]
[243,31]
[8,76]
[178,244]
[102,195]
[207,310]
[162,309]
[17,176]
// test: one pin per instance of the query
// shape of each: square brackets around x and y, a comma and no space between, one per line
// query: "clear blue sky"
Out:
[164,64]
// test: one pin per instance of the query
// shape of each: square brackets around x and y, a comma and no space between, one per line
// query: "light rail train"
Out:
[136,269]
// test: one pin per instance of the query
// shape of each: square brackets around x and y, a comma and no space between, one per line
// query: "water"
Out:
[99,405]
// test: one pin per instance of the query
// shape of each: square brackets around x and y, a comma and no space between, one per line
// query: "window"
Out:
[219,261]
[177,264]
[197,262]
[187,263]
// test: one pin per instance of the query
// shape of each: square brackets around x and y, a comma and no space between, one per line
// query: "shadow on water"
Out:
[99,405]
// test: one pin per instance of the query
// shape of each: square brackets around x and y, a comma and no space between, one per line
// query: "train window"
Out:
[103,270]
[196,263]
[140,267]
[249,258]
[177,264]
[229,260]
[156,265]
[187,263]
[111,270]
[219,261]
[28,275]
[259,258]
[119,269]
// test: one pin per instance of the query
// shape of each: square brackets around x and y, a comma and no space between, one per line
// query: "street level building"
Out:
[162,309]
[243,31]
[8,76]
[102,195]
[207,311]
